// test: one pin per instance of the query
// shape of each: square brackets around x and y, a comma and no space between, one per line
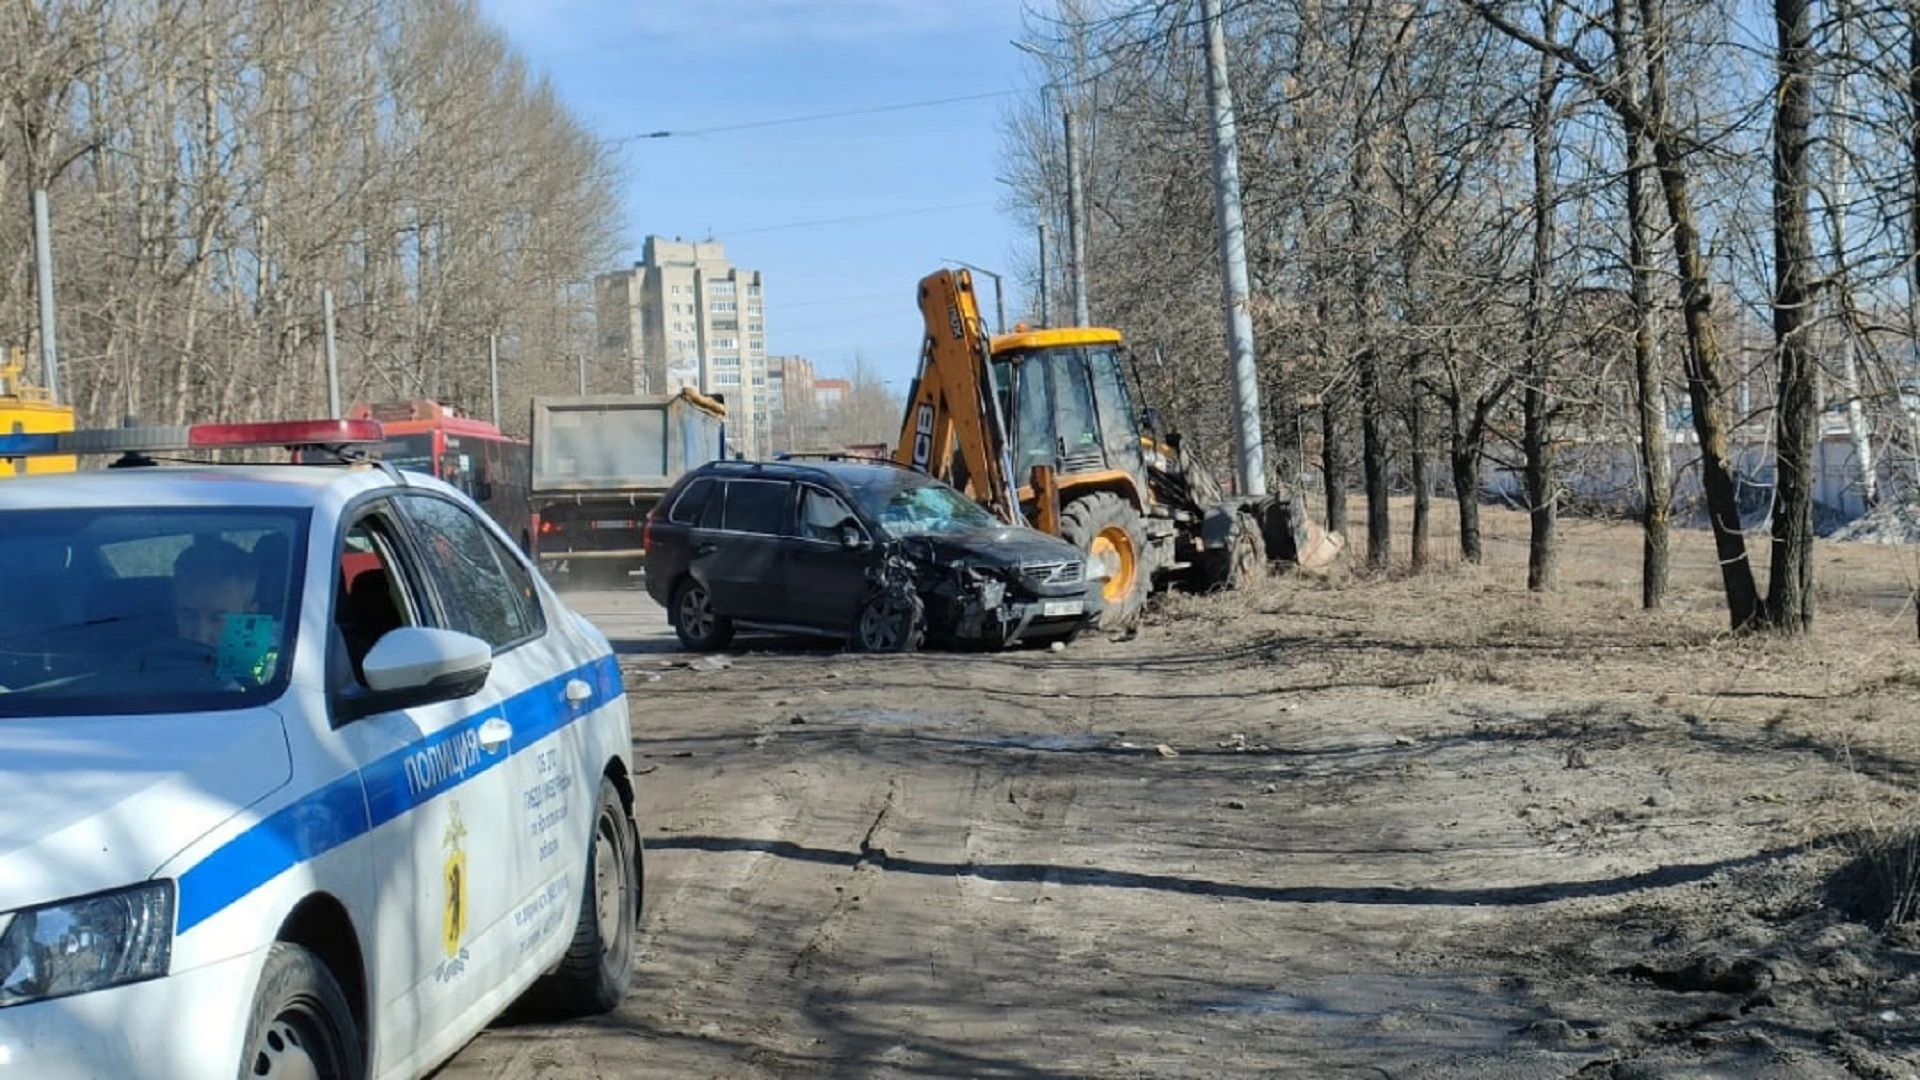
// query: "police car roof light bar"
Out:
[143,440]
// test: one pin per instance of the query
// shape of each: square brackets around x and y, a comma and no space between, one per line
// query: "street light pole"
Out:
[999,306]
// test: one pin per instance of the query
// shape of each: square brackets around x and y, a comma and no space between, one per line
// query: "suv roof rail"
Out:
[733,464]
[855,459]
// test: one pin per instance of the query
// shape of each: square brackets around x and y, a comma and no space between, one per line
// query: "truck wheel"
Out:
[1241,562]
[1110,531]
[699,627]
[301,1025]
[598,967]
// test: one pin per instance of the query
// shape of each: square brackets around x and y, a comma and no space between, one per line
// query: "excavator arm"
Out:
[953,405]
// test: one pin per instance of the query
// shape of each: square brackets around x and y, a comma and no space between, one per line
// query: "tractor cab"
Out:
[1066,404]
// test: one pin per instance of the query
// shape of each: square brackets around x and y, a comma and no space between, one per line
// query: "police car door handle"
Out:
[494,734]
[578,691]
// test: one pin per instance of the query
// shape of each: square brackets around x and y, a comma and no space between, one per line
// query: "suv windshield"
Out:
[146,610]
[909,505]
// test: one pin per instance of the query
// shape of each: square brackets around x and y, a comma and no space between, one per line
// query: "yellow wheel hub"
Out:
[1112,548]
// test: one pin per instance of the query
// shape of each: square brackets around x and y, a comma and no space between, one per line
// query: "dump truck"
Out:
[1040,426]
[599,464]
[30,410]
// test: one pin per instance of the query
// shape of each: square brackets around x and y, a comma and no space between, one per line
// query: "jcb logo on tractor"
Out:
[922,437]
[953,323]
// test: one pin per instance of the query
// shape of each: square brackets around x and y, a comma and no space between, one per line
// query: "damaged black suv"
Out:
[878,554]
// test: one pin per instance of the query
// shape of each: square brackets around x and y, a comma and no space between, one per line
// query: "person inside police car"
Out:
[215,581]
[212,579]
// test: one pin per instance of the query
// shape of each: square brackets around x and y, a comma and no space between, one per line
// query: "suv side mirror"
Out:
[851,538]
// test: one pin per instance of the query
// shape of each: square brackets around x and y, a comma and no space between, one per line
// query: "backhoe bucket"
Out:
[1322,548]
[1293,537]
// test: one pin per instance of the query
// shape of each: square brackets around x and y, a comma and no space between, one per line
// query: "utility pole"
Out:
[43,258]
[1046,285]
[583,374]
[1076,215]
[493,373]
[1236,292]
[333,358]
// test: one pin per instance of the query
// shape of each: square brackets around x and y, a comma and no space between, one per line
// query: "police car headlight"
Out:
[89,943]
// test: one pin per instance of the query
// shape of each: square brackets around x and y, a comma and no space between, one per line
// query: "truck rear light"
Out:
[548,527]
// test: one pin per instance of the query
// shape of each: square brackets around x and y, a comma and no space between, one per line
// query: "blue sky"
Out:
[921,181]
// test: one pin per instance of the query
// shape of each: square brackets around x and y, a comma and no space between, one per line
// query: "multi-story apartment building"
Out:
[686,316]
[790,412]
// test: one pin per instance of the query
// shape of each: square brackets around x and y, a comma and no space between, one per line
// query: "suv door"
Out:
[825,581]
[740,560]
[433,793]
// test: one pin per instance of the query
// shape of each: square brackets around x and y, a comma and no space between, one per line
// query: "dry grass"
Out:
[1857,676]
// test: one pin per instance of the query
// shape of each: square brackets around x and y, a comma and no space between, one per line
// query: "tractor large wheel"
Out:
[1113,535]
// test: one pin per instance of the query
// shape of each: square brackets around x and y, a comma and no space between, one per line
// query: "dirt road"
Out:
[1391,828]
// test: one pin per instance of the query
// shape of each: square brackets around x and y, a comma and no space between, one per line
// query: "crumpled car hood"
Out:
[999,546]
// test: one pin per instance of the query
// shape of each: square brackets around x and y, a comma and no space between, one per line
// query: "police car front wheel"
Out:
[301,1027]
[598,967]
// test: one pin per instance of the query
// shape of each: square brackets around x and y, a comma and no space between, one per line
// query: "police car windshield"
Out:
[146,610]
[906,505]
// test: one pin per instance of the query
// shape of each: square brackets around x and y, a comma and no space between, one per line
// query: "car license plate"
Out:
[1054,608]
[613,524]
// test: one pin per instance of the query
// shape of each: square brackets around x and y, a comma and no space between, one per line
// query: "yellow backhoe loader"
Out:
[28,410]
[1040,427]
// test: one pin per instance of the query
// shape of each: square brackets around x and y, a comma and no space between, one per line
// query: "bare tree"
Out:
[215,164]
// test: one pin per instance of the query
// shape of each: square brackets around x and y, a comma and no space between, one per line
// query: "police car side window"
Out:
[485,590]
[371,594]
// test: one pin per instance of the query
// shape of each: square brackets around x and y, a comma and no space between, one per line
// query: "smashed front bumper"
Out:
[981,606]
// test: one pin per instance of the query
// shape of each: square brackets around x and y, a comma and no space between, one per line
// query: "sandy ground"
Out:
[1375,826]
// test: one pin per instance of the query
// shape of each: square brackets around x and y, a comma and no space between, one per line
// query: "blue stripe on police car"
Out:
[357,803]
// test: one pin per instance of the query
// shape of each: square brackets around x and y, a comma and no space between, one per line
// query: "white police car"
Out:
[304,771]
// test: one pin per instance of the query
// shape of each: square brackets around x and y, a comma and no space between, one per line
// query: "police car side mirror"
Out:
[418,665]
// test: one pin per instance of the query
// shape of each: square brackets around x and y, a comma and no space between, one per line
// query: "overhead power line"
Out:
[811,117]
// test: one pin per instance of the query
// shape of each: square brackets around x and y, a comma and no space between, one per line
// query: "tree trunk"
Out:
[1374,451]
[1543,570]
[1790,570]
[1422,498]
[1333,463]
[1464,456]
[1705,367]
[1656,453]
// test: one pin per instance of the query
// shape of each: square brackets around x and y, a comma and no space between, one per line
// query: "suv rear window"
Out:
[686,509]
[758,506]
